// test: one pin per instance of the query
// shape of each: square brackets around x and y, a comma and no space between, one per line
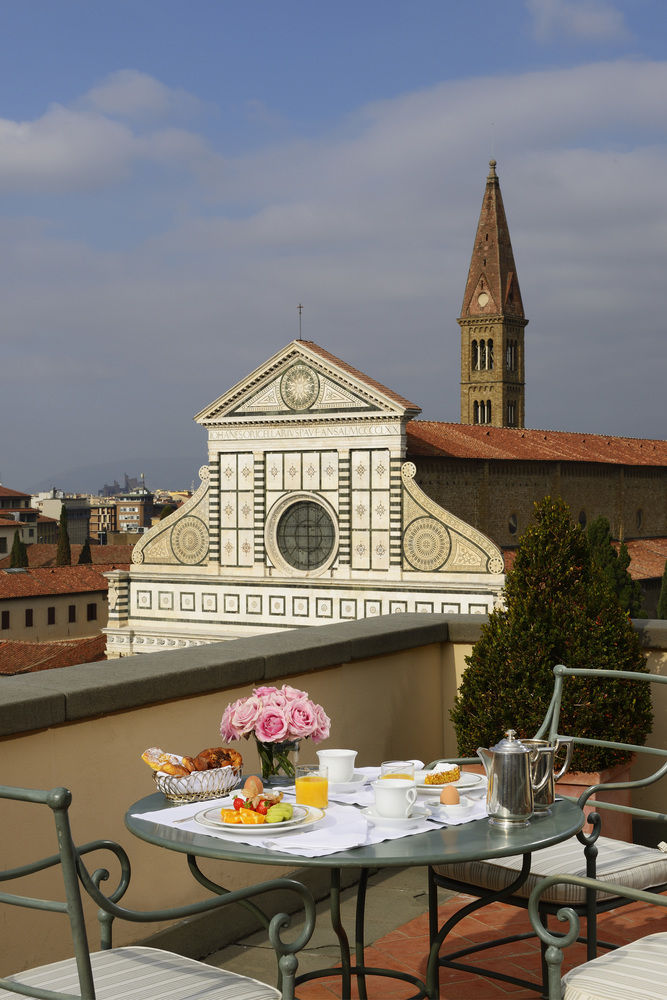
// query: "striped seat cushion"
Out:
[146,974]
[636,971]
[626,864]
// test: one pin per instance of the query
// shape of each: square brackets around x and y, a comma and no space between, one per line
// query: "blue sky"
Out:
[176,177]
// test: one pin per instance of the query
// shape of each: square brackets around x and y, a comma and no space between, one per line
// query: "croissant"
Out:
[157,758]
[177,770]
[214,757]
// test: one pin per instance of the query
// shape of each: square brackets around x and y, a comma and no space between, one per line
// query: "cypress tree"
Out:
[614,566]
[63,553]
[85,555]
[558,608]
[662,600]
[19,554]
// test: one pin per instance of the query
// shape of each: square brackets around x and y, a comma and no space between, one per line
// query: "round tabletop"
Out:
[442,845]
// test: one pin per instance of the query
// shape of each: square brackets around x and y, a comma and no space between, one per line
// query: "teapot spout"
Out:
[485,756]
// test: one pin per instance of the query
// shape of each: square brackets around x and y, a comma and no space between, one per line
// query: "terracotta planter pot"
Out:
[614,824]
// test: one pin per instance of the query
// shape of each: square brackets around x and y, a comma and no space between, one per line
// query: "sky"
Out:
[176,177]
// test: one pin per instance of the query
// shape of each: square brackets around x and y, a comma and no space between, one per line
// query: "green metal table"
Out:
[443,845]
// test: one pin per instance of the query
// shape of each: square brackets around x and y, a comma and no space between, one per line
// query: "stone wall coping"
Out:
[33,701]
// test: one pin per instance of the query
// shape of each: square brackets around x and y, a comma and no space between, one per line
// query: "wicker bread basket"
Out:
[200,785]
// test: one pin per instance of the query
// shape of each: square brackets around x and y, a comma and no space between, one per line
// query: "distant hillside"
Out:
[176,473]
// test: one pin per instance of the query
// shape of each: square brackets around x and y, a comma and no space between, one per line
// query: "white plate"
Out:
[468,780]
[418,813]
[358,779]
[303,817]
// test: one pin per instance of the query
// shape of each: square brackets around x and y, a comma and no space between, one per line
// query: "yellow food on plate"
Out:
[444,776]
[230,816]
[249,816]
[449,796]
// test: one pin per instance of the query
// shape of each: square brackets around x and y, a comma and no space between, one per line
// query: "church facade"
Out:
[308,513]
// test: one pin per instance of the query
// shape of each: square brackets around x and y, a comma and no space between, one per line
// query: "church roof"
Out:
[429,437]
[492,288]
[370,382]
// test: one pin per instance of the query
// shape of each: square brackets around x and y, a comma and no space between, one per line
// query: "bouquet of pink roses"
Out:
[277,719]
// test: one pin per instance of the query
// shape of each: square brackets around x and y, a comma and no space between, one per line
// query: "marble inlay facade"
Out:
[307,513]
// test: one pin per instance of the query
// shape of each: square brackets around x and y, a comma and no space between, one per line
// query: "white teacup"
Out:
[340,764]
[394,797]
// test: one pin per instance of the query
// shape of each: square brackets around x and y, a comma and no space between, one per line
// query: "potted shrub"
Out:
[558,608]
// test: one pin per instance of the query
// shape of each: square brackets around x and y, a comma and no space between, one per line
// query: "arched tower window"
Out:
[482,354]
[475,412]
[489,354]
[474,357]
[511,413]
[488,411]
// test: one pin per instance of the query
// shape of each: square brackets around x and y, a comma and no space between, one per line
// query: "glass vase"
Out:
[278,761]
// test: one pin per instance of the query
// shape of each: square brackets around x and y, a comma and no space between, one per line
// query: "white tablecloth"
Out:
[343,827]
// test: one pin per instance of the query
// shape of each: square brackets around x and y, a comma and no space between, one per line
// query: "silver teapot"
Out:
[511,769]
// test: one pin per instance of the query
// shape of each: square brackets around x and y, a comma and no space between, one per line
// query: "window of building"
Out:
[4,620]
[513,524]
[511,414]
[475,412]
[91,612]
[28,617]
[489,355]
[475,356]
[640,519]
[72,613]
[482,354]
[51,616]
[305,535]
[488,411]
[582,518]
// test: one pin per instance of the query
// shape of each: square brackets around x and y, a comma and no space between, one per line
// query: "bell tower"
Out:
[492,323]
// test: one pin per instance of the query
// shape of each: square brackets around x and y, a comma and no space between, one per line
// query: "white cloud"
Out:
[371,227]
[579,20]
[129,93]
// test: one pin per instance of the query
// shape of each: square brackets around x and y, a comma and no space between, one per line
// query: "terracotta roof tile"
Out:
[432,438]
[372,383]
[108,556]
[647,557]
[57,580]
[26,657]
[5,492]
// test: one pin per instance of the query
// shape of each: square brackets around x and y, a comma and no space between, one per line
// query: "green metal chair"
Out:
[635,971]
[511,880]
[133,973]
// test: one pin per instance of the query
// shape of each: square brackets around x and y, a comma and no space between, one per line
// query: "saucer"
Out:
[418,813]
[358,779]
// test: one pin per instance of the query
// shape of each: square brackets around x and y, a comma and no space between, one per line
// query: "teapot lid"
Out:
[510,744]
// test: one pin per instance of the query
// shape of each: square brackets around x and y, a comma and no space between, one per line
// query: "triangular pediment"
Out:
[482,301]
[304,381]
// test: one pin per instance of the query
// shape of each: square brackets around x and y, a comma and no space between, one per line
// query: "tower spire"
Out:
[492,322]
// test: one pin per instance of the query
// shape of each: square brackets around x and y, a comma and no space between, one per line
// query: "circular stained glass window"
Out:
[305,535]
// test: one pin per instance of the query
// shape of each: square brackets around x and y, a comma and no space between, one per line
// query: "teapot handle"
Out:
[564,741]
[534,757]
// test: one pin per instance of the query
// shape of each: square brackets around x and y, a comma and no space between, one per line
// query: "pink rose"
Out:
[245,713]
[301,718]
[293,694]
[227,729]
[262,692]
[322,724]
[271,726]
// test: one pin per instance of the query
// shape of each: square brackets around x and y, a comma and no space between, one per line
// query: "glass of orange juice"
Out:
[398,769]
[312,785]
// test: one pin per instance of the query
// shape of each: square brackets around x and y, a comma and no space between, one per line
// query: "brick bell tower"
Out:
[492,323]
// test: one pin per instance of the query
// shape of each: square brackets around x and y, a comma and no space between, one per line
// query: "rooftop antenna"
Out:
[299,310]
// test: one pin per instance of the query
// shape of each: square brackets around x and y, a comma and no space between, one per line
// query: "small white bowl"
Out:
[459,809]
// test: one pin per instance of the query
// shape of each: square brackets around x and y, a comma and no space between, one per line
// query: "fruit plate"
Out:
[468,781]
[302,818]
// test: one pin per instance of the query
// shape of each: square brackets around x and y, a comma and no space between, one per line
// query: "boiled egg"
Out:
[449,796]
